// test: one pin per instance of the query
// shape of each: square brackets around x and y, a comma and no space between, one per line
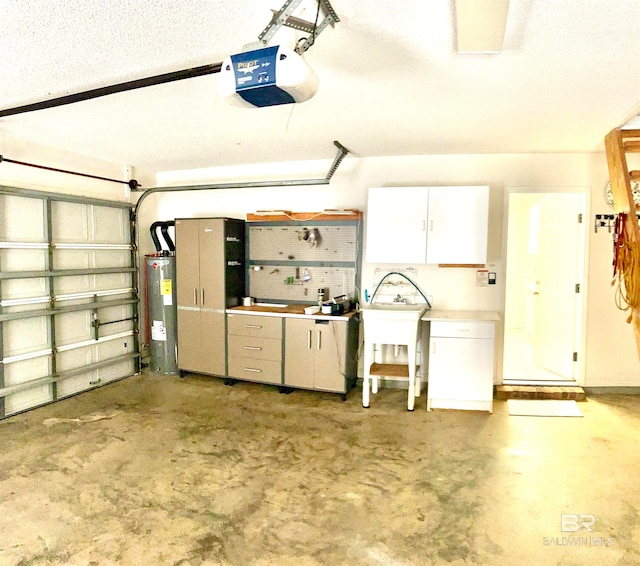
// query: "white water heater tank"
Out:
[267,77]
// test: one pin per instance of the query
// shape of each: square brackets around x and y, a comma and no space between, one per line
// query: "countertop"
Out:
[292,310]
[460,316]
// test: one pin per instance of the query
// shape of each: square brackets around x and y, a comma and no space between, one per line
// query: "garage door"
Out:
[68,303]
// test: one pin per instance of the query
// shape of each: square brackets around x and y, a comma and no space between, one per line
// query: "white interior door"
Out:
[556,304]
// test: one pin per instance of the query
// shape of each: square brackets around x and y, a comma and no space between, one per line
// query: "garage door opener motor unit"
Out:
[267,77]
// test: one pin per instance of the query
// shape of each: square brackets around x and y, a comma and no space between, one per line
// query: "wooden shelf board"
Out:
[391,370]
[303,216]
[630,133]
[632,146]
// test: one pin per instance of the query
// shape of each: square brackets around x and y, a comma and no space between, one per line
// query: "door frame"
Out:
[581,315]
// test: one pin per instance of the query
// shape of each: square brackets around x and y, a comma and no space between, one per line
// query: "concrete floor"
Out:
[193,472]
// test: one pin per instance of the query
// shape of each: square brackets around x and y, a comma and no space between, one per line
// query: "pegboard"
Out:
[287,243]
[270,283]
[289,261]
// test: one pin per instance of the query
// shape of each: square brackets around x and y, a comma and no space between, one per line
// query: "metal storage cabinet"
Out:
[320,354]
[255,348]
[210,278]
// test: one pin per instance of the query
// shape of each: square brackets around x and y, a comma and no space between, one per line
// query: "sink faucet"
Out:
[399,299]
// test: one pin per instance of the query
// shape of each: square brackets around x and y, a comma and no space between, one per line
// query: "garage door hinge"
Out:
[577,287]
[575,356]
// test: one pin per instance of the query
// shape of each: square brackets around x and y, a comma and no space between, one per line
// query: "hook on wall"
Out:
[606,221]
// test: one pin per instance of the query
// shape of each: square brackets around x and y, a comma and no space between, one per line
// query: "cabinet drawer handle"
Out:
[254,370]
[253,348]
[252,326]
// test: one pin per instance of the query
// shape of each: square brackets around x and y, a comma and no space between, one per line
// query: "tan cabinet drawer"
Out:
[252,325]
[265,371]
[256,348]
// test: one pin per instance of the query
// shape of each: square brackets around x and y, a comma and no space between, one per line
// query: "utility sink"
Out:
[392,323]
[392,310]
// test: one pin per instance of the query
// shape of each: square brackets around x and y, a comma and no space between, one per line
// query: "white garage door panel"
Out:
[22,219]
[114,348]
[72,259]
[73,327]
[73,284]
[112,258]
[26,335]
[24,288]
[77,383]
[23,260]
[114,281]
[116,313]
[110,225]
[85,259]
[116,371]
[87,283]
[23,400]
[73,359]
[27,370]
[70,222]
[89,235]
[73,222]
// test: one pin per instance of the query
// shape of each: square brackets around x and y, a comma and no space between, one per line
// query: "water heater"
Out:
[267,77]
[161,293]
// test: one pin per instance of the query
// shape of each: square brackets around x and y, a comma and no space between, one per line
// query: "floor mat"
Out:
[543,408]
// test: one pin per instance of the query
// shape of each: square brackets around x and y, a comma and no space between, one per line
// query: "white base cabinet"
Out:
[461,365]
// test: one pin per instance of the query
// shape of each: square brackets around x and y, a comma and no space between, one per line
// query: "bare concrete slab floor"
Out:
[161,470]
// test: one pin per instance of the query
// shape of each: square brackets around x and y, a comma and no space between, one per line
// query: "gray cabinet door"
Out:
[329,354]
[314,354]
[200,294]
[298,353]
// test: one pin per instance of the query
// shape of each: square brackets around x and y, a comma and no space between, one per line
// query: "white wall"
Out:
[611,357]
[606,333]
[21,176]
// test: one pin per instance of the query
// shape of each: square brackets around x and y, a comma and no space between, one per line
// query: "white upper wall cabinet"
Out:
[417,225]
[397,225]
[458,225]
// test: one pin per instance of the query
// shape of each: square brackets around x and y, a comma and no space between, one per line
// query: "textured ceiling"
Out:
[391,82]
